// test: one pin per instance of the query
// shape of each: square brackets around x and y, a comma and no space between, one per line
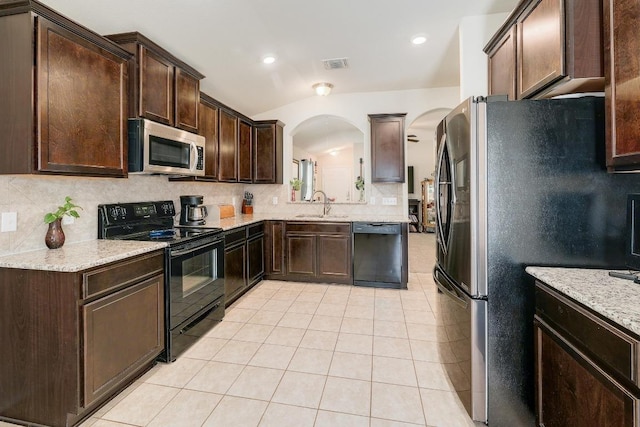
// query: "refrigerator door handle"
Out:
[447,287]
[439,229]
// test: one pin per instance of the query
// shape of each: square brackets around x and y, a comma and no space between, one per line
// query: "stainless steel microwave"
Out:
[158,149]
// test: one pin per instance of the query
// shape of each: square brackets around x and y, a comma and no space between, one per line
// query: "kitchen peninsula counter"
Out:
[615,299]
[74,257]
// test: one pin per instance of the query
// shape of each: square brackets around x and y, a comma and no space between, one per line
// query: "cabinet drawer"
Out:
[105,279]
[616,350]
[255,230]
[315,227]
[234,236]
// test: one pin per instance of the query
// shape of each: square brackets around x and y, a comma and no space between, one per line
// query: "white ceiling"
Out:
[226,40]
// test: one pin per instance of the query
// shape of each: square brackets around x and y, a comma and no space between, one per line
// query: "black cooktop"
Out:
[147,221]
[175,234]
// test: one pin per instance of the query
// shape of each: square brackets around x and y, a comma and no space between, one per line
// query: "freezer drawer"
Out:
[462,332]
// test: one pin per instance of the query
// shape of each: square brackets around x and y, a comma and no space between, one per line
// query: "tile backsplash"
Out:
[33,196]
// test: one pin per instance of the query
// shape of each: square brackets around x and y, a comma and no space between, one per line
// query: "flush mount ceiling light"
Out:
[269,59]
[419,39]
[322,89]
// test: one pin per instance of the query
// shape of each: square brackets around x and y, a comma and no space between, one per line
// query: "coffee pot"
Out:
[192,212]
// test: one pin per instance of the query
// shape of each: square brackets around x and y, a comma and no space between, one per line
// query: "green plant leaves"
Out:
[69,208]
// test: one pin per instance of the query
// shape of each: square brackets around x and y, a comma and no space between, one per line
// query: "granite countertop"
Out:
[240,220]
[616,299]
[79,256]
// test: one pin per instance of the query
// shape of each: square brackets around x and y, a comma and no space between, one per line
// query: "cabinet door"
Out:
[122,332]
[267,154]
[622,83]
[502,66]
[334,258]
[568,385]
[301,255]
[244,152]
[274,242]
[208,127]
[255,260]
[82,105]
[235,261]
[387,147]
[228,147]
[156,88]
[187,101]
[540,47]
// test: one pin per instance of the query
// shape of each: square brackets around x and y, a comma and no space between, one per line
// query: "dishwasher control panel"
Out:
[376,228]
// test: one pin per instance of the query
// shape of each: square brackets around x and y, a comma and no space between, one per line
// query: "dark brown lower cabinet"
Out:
[255,259]
[121,331]
[235,261]
[274,249]
[318,252]
[243,260]
[580,375]
[77,338]
[301,255]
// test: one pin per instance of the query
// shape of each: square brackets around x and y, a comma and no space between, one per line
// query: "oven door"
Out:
[196,280]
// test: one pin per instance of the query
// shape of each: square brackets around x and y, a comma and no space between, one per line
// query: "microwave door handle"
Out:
[194,157]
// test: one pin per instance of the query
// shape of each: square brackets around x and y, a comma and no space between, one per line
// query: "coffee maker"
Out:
[192,212]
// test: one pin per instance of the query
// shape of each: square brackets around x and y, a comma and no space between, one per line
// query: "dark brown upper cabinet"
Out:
[387,147]
[622,88]
[64,96]
[245,129]
[502,66]
[228,146]
[267,152]
[164,89]
[208,114]
[558,49]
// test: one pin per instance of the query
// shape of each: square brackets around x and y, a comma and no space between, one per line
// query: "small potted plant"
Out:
[55,235]
[295,186]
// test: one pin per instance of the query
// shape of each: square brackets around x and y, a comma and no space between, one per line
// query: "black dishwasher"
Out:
[379,255]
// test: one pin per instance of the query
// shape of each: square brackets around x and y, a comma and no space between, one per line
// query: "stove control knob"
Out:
[114,211]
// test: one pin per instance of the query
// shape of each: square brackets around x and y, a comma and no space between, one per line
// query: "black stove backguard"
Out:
[194,267]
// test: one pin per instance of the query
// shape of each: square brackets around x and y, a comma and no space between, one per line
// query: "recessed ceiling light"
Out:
[419,39]
[269,59]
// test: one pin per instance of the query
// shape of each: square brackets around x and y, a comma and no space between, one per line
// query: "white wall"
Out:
[474,33]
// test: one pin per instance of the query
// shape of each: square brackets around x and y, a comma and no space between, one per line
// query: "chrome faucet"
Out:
[327,207]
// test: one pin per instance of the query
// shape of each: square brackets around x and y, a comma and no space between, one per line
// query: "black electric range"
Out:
[194,267]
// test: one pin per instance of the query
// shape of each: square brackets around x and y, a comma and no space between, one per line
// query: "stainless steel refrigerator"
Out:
[517,183]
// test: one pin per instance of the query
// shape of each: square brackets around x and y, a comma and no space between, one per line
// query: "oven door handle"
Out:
[180,253]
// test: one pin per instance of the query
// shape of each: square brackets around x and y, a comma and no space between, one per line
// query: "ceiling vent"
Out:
[335,63]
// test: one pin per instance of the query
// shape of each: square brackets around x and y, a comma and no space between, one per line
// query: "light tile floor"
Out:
[295,354]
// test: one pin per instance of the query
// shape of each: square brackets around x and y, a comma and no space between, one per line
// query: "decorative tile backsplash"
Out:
[33,196]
